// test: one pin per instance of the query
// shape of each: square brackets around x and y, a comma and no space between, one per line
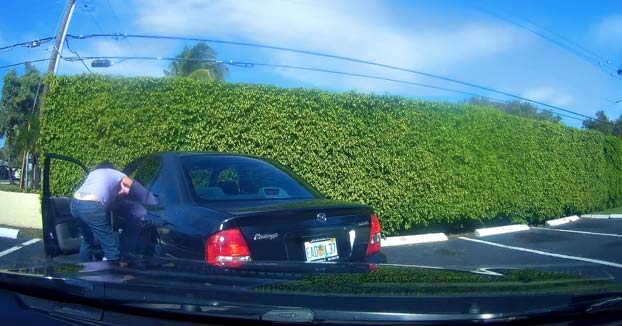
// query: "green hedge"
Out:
[418,163]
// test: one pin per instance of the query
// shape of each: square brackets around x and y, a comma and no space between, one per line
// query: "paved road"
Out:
[588,246]
[21,252]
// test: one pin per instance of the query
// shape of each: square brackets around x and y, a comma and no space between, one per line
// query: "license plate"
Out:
[321,249]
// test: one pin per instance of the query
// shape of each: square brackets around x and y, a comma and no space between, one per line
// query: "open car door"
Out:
[61,234]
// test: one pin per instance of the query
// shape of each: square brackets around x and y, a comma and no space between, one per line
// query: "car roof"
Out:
[195,153]
[183,154]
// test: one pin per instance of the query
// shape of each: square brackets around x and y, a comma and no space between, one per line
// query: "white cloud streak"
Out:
[367,31]
[550,95]
[609,29]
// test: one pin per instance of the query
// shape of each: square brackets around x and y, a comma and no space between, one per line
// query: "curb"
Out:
[8,233]
[413,239]
[501,229]
[562,220]
[599,216]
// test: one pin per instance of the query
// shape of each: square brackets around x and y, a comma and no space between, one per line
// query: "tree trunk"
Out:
[36,179]
[21,175]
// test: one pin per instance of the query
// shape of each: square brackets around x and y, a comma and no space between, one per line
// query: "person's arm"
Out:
[126,184]
[139,193]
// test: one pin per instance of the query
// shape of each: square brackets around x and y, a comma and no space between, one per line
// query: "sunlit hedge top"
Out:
[417,162]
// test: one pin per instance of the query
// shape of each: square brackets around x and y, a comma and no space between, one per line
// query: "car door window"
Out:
[240,178]
[146,172]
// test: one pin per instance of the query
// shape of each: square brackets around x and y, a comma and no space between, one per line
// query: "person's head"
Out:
[105,165]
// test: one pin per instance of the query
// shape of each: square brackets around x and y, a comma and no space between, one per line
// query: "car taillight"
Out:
[227,248]
[374,236]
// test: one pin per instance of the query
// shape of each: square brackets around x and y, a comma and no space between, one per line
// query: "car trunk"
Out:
[317,230]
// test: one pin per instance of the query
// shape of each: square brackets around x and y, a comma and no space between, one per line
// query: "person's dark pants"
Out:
[94,222]
[130,235]
[128,216]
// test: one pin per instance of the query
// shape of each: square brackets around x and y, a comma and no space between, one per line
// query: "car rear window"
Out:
[216,178]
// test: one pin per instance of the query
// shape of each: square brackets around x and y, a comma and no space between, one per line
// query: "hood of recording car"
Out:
[324,278]
[303,292]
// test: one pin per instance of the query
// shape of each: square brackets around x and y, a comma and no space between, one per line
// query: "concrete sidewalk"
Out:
[20,209]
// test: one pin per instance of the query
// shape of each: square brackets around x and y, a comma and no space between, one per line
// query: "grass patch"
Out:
[15,188]
[617,210]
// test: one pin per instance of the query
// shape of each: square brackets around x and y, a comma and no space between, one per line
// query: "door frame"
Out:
[50,241]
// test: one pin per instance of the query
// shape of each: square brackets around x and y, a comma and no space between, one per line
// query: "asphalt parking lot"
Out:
[21,252]
[588,246]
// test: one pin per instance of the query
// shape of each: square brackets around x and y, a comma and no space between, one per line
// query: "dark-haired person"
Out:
[91,205]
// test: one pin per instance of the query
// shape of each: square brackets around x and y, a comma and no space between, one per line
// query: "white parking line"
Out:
[19,246]
[544,253]
[582,232]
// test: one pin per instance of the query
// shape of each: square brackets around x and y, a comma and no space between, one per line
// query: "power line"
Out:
[566,44]
[332,56]
[78,55]
[117,36]
[114,14]
[28,44]
[244,64]
[90,10]
[24,62]
[403,82]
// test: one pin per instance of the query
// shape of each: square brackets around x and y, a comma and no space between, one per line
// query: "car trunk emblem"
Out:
[321,217]
[268,236]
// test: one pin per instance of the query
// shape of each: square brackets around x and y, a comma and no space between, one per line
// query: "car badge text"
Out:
[268,236]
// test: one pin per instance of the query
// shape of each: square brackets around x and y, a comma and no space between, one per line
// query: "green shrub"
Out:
[418,163]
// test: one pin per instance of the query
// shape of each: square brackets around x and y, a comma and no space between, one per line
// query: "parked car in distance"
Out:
[228,209]
[5,172]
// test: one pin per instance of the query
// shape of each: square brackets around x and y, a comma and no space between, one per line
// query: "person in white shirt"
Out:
[91,205]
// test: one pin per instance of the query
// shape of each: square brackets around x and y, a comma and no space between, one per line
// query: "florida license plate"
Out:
[321,250]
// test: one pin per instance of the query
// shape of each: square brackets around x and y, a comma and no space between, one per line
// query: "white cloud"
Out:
[609,29]
[550,95]
[366,31]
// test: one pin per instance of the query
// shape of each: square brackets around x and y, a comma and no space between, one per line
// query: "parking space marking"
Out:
[582,232]
[544,253]
[19,246]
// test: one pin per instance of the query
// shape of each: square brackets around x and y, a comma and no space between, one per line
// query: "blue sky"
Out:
[489,43]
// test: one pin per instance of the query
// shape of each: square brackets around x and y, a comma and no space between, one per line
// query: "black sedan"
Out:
[227,209]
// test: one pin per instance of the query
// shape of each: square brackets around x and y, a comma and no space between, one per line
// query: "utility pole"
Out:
[60,37]
[53,66]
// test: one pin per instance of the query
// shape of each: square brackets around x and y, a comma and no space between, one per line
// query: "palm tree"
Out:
[197,62]
[25,141]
